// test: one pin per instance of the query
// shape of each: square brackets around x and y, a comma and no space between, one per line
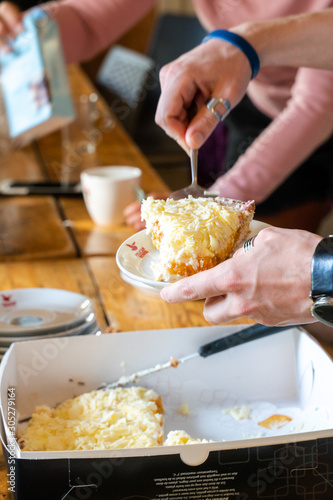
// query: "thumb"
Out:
[201,127]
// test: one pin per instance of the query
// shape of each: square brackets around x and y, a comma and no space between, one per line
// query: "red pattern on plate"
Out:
[141,253]
[133,247]
[6,300]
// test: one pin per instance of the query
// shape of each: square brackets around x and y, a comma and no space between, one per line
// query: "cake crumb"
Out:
[238,413]
[275,421]
[111,329]
[173,362]
[184,410]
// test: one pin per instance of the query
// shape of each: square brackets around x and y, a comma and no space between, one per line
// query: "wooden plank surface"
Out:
[129,308]
[30,227]
[4,493]
[22,165]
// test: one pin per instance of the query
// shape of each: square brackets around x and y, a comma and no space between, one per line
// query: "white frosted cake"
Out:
[122,417]
[194,234]
[104,419]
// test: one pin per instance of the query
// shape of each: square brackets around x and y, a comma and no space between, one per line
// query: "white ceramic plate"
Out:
[135,256]
[41,310]
[142,287]
[93,329]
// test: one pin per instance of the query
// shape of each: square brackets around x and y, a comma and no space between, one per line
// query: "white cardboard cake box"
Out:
[285,374]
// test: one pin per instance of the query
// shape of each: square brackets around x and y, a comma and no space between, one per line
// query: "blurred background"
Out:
[169,30]
[166,32]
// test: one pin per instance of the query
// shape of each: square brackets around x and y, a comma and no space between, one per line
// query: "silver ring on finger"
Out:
[248,244]
[218,102]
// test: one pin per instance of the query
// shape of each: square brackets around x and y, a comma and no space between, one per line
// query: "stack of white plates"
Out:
[37,313]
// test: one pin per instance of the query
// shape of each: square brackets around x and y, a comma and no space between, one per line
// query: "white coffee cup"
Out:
[108,190]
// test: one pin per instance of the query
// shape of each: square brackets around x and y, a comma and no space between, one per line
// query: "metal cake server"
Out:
[254,332]
[193,189]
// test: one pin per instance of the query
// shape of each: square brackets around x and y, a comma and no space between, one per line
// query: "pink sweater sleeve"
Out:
[304,124]
[88,26]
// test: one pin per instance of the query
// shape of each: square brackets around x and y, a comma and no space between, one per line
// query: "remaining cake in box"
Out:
[122,417]
[129,417]
[176,438]
[194,234]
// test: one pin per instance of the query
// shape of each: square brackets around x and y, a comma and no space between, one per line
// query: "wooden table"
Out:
[51,242]
[48,241]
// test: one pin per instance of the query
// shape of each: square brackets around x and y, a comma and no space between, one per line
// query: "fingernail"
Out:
[196,140]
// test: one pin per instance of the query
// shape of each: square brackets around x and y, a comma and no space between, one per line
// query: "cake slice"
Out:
[194,234]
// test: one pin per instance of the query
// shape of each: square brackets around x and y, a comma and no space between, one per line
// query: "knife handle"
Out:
[252,333]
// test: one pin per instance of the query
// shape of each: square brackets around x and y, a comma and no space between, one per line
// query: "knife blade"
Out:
[254,332]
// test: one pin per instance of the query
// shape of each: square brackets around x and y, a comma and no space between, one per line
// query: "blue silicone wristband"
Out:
[241,43]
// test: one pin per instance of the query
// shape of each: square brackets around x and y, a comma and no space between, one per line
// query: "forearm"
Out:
[305,124]
[88,26]
[303,40]
[218,68]
[266,164]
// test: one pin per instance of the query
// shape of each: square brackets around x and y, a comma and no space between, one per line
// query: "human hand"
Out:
[10,23]
[270,283]
[132,213]
[213,69]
